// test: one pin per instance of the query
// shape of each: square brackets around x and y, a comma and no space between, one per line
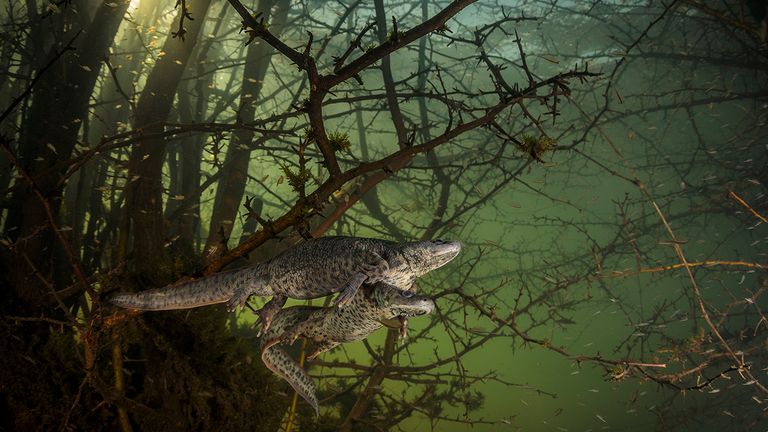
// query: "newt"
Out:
[327,327]
[314,268]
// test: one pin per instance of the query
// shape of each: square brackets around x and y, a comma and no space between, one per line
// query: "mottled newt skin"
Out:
[328,327]
[312,269]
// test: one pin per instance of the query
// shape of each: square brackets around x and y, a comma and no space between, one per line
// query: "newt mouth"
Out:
[422,307]
[451,248]
[444,252]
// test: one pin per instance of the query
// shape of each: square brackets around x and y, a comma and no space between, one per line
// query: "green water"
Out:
[688,148]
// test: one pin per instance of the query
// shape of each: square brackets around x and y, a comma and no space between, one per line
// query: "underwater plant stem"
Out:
[743,368]
[295,401]
[706,263]
[117,366]
[733,195]
[373,387]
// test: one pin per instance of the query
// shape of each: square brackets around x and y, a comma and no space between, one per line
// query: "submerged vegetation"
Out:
[603,164]
[536,147]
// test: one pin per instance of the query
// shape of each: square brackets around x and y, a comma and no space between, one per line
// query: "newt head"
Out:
[424,256]
[395,302]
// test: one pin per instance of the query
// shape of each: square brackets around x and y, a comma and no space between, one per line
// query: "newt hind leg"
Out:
[321,347]
[268,312]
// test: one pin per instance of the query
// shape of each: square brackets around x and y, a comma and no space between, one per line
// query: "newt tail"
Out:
[217,288]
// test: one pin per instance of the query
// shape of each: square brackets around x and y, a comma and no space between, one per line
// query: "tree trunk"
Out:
[229,194]
[190,154]
[91,250]
[144,202]
[59,104]
[109,119]
[386,72]
[193,108]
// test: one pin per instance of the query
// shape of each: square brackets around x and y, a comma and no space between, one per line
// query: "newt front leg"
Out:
[371,272]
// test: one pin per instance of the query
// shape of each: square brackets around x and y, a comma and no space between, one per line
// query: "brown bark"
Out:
[144,202]
[229,194]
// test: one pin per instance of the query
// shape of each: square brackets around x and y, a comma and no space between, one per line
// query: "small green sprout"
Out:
[297,180]
[309,135]
[395,36]
[339,141]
